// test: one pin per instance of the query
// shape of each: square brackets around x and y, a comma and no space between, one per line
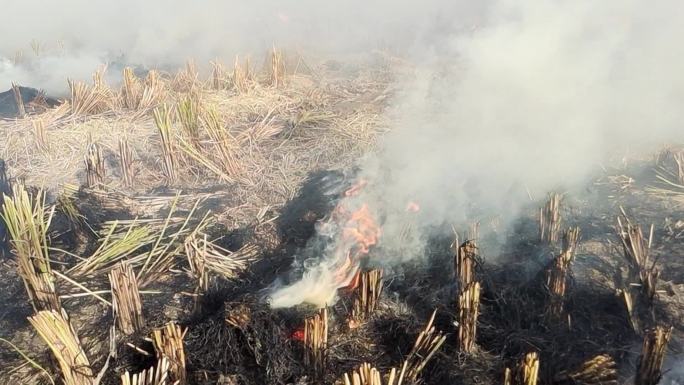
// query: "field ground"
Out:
[256,188]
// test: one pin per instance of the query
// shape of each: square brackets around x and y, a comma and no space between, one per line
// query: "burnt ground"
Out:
[32,98]
[263,351]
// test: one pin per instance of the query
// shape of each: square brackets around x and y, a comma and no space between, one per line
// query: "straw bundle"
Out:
[464,262]
[550,220]
[428,342]
[95,166]
[366,374]
[156,375]
[525,373]
[636,251]
[599,370]
[557,274]
[28,219]
[316,342]
[40,135]
[162,118]
[126,160]
[127,306]
[21,110]
[56,330]
[468,311]
[366,295]
[652,356]
[277,74]
[168,343]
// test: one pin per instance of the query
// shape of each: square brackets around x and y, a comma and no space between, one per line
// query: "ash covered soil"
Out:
[314,157]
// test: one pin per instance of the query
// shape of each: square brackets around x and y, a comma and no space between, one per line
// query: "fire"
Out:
[360,232]
[357,232]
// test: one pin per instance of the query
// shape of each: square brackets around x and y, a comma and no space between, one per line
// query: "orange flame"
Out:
[360,232]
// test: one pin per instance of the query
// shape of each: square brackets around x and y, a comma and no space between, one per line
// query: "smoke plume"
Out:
[534,98]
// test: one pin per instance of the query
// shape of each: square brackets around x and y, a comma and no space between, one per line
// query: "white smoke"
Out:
[166,33]
[535,98]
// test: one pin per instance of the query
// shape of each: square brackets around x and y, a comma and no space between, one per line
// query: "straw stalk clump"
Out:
[366,374]
[525,373]
[18,100]
[126,161]
[204,255]
[89,100]
[316,342]
[27,220]
[599,370]
[219,79]
[550,220]
[162,118]
[55,329]
[468,312]
[427,343]
[649,368]
[127,305]
[558,273]
[140,95]
[366,296]
[242,75]
[168,343]
[156,375]
[188,116]
[40,136]
[465,259]
[636,249]
[95,166]
[277,70]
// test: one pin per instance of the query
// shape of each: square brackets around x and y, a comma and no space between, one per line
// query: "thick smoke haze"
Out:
[76,36]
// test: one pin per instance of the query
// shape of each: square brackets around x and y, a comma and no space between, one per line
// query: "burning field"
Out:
[485,204]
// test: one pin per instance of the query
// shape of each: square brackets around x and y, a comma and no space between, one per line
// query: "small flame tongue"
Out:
[360,232]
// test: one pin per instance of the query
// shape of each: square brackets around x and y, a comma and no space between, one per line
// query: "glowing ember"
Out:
[297,335]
